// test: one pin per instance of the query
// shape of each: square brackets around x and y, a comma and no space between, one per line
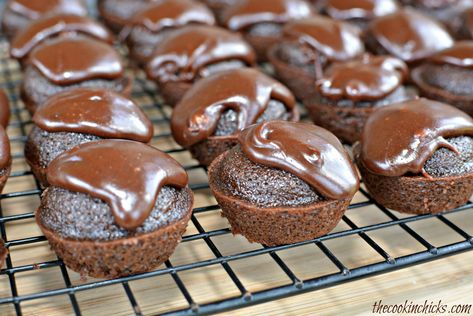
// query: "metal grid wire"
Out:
[145,92]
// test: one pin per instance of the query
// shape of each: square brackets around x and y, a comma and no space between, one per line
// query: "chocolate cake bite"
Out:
[114,207]
[4,109]
[308,46]
[417,156]
[285,182]
[146,29]
[194,52]
[407,34]
[5,158]
[448,76]
[348,93]
[49,27]
[83,115]
[210,116]
[17,14]
[3,253]
[116,13]
[71,62]
[261,21]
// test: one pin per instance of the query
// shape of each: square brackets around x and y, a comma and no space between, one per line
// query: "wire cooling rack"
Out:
[211,271]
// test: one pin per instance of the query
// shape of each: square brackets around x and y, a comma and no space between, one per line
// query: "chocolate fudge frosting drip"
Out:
[182,55]
[359,9]
[307,151]
[99,112]
[49,26]
[334,39]
[410,35]
[371,78]
[461,55]
[127,175]
[33,9]
[250,12]
[173,13]
[4,109]
[246,91]
[399,139]
[70,60]
[5,156]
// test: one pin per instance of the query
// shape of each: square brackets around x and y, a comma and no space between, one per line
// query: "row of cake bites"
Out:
[115,206]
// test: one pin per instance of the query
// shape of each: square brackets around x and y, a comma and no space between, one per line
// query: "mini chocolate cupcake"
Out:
[285,182]
[5,158]
[194,52]
[448,76]
[3,253]
[212,113]
[83,115]
[19,13]
[349,92]
[146,29]
[308,46]
[359,12]
[71,62]
[261,21]
[116,13]
[114,208]
[4,109]
[417,157]
[48,27]
[407,34]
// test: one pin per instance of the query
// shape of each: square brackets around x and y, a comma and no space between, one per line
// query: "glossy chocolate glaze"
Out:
[33,9]
[359,9]
[127,175]
[69,60]
[246,13]
[334,39]
[5,156]
[246,91]
[37,31]
[399,139]
[172,13]
[370,78]
[184,53]
[461,55]
[310,152]
[98,112]
[4,109]
[410,35]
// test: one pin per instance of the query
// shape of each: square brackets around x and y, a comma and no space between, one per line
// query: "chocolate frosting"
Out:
[4,109]
[68,60]
[359,9]
[335,39]
[127,175]
[41,29]
[5,156]
[410,35]
[307,151]
[370,78]
[33,9]
[461,55]
[246,13]
[183,54]
[98,112]
[246,91]
[399,139]
[173,13]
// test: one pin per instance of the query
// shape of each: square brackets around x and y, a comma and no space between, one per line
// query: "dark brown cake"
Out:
[417,157]
[448,76]
[4,109]
[208,119]
[261,21]
[75,117]
[115,208]
[194,52]
[464,28]
[3,253]
[285,182]
[116,13]
[348,93]
[308,46]
[146,29]
[71,62]
[5,158]
[18,13]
